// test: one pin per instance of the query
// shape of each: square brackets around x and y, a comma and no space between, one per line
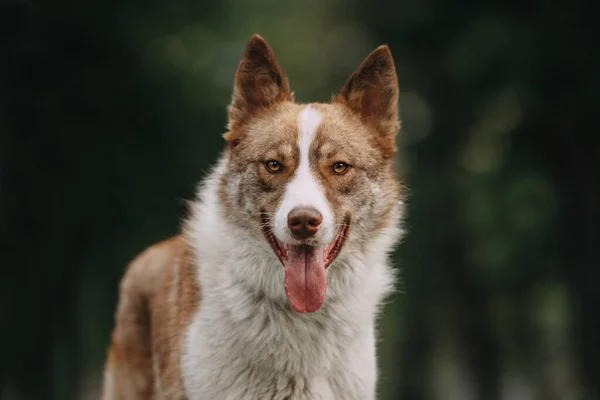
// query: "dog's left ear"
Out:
[259,82]
[372,93]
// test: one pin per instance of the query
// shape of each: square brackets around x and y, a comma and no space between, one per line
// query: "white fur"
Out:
[245,342]
[303,190]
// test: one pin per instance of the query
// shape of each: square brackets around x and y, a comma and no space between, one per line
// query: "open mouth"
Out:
[305,267]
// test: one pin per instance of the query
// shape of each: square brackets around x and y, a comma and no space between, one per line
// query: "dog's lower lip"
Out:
[334,248]
[279,250]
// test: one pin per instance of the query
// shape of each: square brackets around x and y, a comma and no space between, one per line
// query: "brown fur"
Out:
[157,300]
[359,147]
[255,148]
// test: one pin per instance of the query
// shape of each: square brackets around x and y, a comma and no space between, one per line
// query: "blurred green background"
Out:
[111,111]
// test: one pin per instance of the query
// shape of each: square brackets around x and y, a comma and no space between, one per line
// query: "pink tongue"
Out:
[305,278]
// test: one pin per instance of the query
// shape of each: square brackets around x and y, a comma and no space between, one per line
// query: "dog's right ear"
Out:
[259,82]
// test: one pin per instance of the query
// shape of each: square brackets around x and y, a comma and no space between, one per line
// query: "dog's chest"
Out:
[273,353]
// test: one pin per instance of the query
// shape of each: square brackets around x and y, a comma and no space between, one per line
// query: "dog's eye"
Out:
[340,168]
[273,166]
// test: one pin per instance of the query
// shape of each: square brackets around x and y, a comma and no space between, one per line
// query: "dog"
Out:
[273,288]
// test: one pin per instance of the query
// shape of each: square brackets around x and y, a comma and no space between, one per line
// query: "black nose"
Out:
[304,222]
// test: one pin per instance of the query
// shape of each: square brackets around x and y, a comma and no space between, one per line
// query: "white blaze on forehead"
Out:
[303,190]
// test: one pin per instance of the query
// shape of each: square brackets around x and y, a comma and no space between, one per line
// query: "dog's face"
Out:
[311,181]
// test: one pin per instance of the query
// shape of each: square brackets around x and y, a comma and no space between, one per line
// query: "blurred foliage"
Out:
[110,113]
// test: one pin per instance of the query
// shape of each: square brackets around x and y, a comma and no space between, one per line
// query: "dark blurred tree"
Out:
[80,129]
[462,55]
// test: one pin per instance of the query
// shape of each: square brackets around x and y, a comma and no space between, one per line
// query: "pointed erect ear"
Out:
[259,82]
[372,93]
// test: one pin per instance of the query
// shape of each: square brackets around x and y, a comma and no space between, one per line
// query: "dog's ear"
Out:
[259,82]
[372,93]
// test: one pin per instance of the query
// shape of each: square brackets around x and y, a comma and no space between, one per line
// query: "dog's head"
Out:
[316,181]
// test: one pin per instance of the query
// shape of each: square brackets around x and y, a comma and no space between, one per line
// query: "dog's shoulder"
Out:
[158,297]
[172,307]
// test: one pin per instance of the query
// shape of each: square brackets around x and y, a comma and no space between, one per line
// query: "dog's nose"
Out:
[304,222]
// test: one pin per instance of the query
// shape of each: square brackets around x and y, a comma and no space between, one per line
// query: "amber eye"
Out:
[273,166]
[340,168]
